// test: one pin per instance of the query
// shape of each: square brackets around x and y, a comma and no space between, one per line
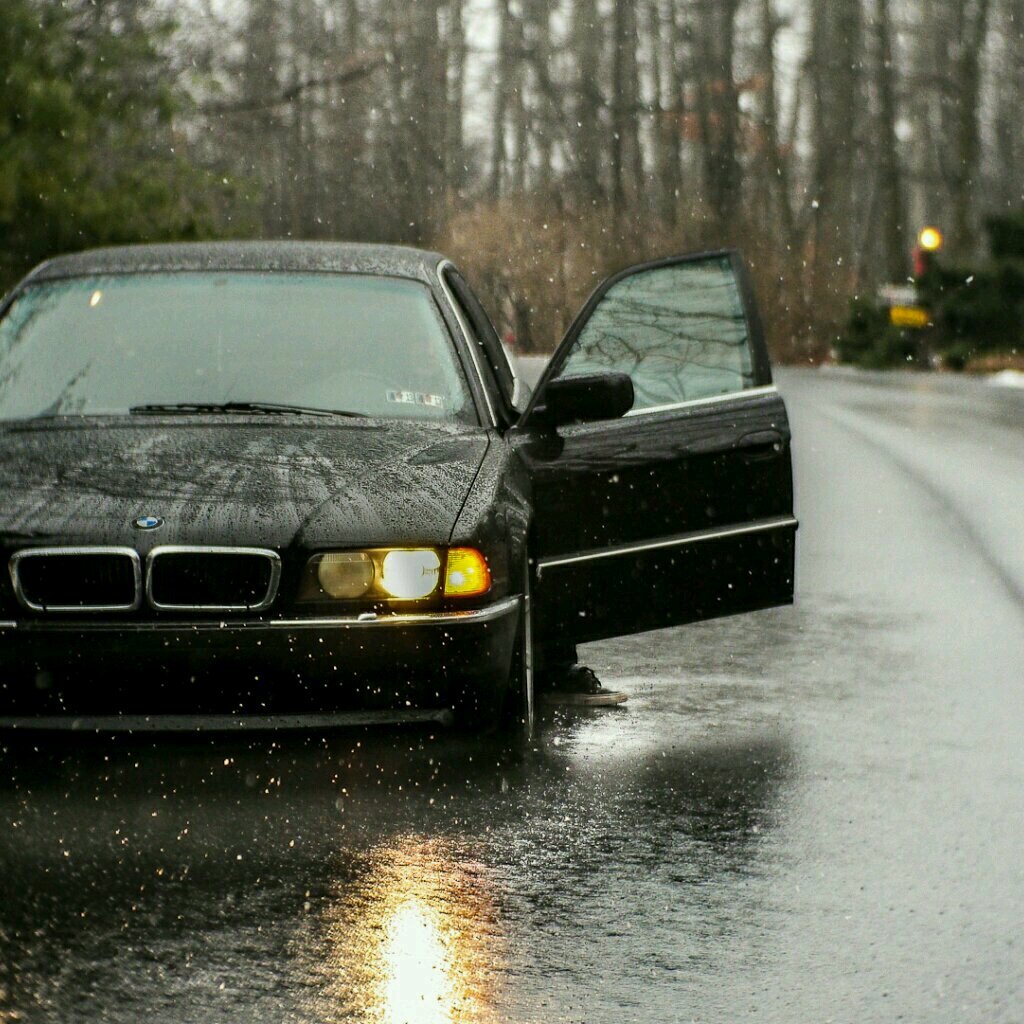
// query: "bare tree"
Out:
[834,65]
[777,181]
[814,130]
[718,107]
[947,77]
[626,156]
[971,18]
[1006,156]
[892,204]
[455,96]
[587,138]
[546,114]
[503,75]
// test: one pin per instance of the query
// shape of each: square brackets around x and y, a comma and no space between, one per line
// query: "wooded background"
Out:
[541,143]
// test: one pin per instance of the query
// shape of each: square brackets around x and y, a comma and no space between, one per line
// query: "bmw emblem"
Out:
[148,523]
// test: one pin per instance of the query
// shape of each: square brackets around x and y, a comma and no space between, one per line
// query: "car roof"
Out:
[283,256]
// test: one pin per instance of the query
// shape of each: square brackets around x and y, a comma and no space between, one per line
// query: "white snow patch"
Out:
[1008,378]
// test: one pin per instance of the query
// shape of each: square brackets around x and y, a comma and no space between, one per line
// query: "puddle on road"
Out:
[375,876]
[408,933]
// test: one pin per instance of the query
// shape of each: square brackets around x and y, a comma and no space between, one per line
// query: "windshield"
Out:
[105,345]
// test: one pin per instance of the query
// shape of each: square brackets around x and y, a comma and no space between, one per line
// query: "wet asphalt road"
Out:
[810,814]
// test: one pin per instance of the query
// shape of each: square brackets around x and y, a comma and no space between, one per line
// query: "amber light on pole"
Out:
[929,242]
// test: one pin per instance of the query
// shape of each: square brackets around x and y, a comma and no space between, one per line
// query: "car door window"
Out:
[679,330]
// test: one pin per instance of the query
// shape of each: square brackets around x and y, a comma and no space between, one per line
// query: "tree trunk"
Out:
[665,126]
[546,113]
[520,115]
[719,109]
[626,156]
[967,136]
[890,174]
[1009,162]
[776,164]
[588,138]
[455,141]
[833,64]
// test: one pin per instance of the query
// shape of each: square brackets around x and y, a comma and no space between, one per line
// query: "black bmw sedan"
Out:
[260,484]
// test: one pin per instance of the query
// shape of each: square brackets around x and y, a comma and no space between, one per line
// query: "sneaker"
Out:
[578,686]
[601,699]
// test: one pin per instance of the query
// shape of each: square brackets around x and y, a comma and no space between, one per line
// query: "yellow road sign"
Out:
[909,316]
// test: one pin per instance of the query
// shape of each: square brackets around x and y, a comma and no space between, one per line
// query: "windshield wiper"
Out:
[218,408]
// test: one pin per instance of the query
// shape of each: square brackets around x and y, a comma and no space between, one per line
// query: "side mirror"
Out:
[586,397]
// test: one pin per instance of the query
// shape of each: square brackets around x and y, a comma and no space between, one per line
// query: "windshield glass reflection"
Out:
[369,345]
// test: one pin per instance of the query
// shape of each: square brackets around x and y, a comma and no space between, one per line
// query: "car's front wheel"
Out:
[508,703]
[519,699]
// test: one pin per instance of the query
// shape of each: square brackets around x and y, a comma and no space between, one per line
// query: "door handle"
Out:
[761,444]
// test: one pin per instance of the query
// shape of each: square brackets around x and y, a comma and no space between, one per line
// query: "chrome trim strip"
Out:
[222,723]
[467,335]
[130,553]
[365,621]
[8,625]
[186,549]
[530,680]
[698,536]
[488,614]
[733,396]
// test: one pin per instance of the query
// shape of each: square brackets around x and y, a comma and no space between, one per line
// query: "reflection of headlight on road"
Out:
[418,980]
[408,939]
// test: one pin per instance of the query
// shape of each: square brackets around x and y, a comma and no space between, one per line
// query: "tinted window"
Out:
[374,346]
[679,331]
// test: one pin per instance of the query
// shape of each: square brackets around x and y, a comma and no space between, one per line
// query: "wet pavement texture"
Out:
[808,814]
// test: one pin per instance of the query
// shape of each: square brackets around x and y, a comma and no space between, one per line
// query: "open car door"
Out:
[681,509]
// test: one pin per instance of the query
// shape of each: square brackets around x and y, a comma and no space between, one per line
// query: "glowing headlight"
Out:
[395,574]
[345,574]
[410,574]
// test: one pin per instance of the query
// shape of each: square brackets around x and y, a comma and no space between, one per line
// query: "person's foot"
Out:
[578,686]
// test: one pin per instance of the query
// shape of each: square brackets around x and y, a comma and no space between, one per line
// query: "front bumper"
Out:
[302,666]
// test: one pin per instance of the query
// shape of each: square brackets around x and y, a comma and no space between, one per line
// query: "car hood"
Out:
[240,482]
